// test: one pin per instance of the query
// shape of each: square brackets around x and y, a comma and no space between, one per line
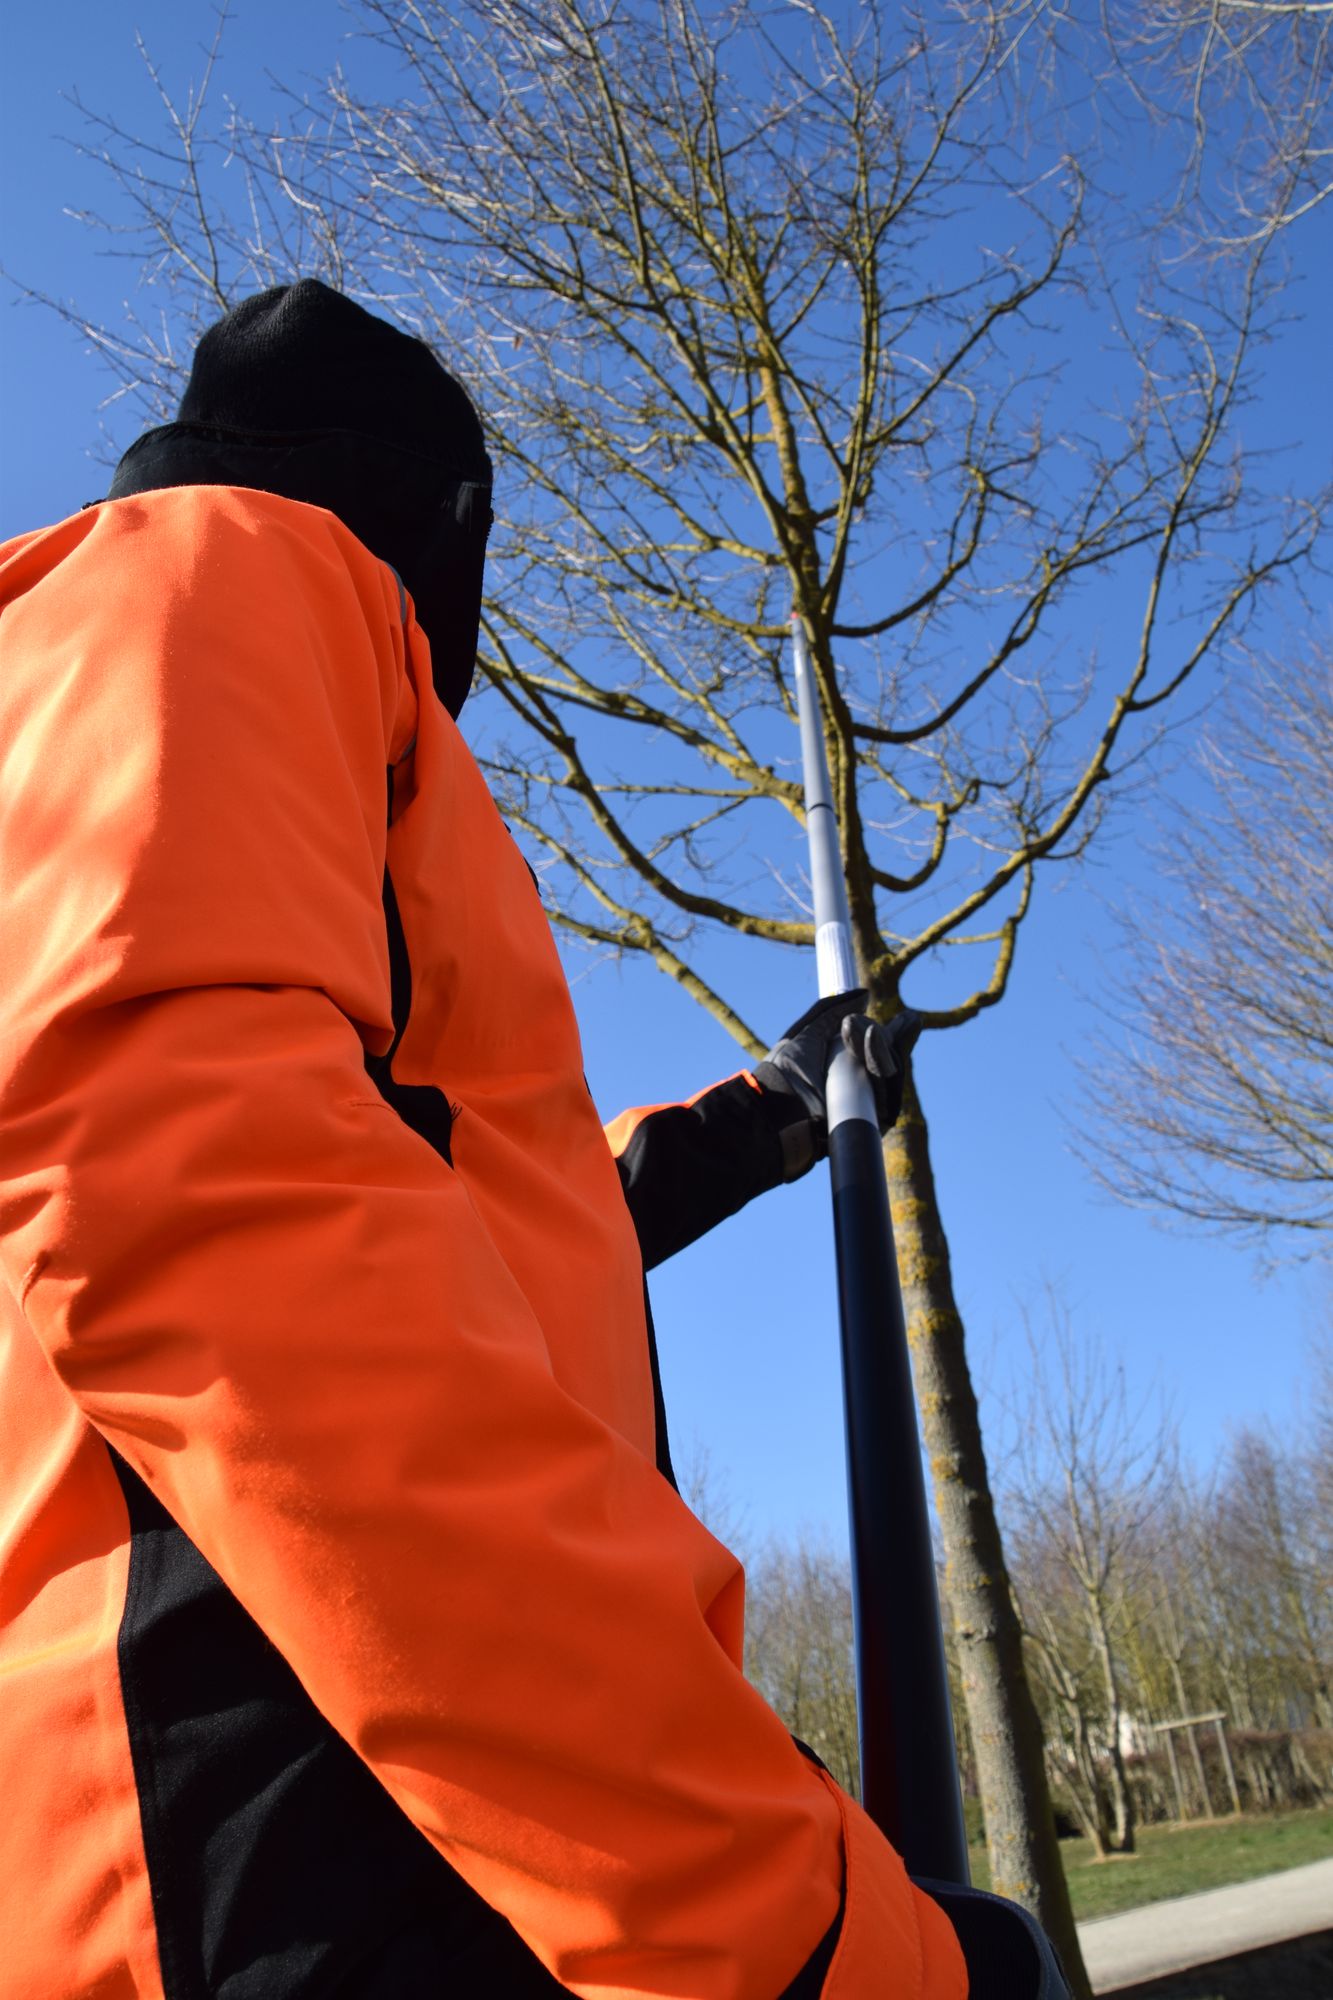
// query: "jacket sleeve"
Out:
[686,1167]
[278,1305]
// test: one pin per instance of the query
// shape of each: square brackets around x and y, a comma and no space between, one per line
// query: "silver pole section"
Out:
[909,1772]
[850,1094]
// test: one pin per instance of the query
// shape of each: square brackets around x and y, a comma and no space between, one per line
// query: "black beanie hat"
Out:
[302,392]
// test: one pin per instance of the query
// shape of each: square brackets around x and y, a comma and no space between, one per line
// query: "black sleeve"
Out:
[684,1167]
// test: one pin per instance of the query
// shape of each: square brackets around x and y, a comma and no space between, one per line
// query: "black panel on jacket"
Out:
[280,1867]
[688,1166]
[278,1863]
[661,1440]
[420,1105]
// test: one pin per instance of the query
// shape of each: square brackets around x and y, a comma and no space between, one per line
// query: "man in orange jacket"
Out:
[355,1640]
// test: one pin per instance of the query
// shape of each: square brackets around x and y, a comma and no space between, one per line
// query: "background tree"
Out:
[1151,1594]
[1211,1593]
[1166,1661]
[768,311]
[1068,1685]
[1091,1475]
[1250,81]
[1275,1549]
[1244,1610]
[798,1649]
[1215,1103]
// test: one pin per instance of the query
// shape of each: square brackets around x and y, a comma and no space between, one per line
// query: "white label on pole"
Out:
[834,963]
[849,1092]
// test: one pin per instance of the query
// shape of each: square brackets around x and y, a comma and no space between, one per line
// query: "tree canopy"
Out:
[772,311]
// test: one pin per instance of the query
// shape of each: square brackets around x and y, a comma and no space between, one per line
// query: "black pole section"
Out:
[909,1767]
[909,1771]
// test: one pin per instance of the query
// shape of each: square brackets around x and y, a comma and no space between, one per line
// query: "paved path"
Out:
[1217,1923]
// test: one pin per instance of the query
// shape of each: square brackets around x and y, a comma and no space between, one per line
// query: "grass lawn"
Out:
[1178,1860]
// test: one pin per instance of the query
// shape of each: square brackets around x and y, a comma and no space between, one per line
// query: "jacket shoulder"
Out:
[26,558]
[176,537]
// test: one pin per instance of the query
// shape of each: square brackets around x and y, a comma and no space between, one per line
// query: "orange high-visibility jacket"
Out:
[337,1572]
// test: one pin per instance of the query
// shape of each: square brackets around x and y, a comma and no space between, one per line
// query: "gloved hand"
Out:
[796,1068]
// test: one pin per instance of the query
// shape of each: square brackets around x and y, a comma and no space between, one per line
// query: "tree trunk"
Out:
[1095,1813]
[1183,1708]
[1121,1798]
[1006,1732]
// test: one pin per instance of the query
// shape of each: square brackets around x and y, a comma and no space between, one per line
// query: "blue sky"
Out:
[746,1320]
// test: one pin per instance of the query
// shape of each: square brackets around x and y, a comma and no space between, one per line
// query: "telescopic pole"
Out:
[909,1770]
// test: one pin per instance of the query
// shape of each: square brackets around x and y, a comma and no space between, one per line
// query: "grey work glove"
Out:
[796,1067]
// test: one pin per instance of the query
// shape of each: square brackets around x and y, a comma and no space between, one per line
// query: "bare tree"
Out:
[1092,1473]
[774,312]
[1252,83]
[1218,1601]
[1318,1497]
[1070,1688]
[1270,1542]
[1163,1648]
[707,1491]
[1215,1103]
[798,1649]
